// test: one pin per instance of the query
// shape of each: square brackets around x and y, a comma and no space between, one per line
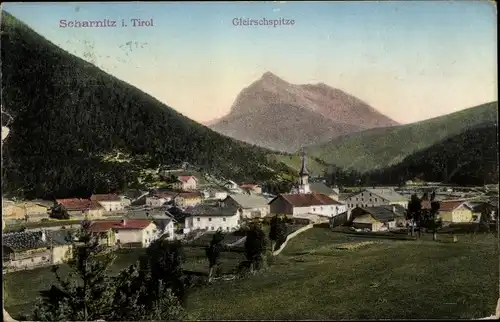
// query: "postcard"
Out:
[249,160]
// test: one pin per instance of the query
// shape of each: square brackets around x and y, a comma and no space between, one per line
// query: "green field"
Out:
[294,162]
[312,279]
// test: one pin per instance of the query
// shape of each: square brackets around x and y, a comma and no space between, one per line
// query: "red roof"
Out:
[100,226]
[450,205]
[105,197]
[79,204]
[249,186]
[307,199]
[186,178]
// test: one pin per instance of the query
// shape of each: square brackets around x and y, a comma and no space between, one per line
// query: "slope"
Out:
[282,116]
[469,158]
[68,115]
[383,147]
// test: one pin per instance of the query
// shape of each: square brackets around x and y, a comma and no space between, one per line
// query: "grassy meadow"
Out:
[322,275]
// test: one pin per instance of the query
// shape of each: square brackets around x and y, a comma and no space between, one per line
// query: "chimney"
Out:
[123,222]
[393,209]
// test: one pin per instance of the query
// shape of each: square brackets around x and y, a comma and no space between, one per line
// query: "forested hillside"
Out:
[470,158]
[69,115]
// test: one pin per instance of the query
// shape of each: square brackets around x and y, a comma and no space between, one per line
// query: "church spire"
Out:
[303,168]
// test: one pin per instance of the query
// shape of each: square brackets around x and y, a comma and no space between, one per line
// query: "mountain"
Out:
[384,147]
[281,116]
[468,158]
[70,119]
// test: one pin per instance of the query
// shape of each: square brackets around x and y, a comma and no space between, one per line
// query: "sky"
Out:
[410,60]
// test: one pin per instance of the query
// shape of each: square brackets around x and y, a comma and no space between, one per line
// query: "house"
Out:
[26,250]
[159,199]
[252,206]
[231,185]
[251,188]
[110,202]
[186,183]
[128,231]
[126,201]
[79,208]
[375,197]
[163,220]
[217,194]
[306,203]
[378,218]
[213,217]
[455,211]
[188,199]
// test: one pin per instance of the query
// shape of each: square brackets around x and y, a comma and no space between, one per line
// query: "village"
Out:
[35,233]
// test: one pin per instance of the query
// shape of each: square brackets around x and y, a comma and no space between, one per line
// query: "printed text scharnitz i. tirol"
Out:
[105,23]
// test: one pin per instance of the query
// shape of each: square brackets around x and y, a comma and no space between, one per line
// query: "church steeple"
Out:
[303,168]
[304,175]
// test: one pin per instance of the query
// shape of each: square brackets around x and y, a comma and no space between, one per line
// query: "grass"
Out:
[312,279]
[294,162]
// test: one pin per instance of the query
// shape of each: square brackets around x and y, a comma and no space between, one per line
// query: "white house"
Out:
[163,220]
[110,202]
[186,183]
[306,203]
[213,217]
[251,206]
[158,200]
[129,231]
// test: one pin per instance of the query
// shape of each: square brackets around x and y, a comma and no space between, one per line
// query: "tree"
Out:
[59,212]
[213,252]
[435,222]
[164,260]
[413,213]
[484,219]
[86,294]
[277,232]
[255,246]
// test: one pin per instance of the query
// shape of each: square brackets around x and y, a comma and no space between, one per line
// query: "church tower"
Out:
[304,176]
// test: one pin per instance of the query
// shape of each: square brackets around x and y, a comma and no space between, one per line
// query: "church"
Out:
[304,203]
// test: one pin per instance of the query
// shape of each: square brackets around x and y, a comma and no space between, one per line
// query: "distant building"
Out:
[379,218]
[186,183]
[188,199]
[159,199]
[27,250]
[252,206]
[251,188]
[213,217]
[375,197]
[24,210]
[127,231]
[306,203]
[231,185]
[81,207]
[110,202]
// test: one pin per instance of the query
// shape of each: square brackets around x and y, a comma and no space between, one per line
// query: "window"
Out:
[370,194]
[314,209]
[223,219]
[212,228]
[375,199]
[320,208]
[197,219]
[209,219]
[32,260]
[370,199]
[227,228]
[44,258]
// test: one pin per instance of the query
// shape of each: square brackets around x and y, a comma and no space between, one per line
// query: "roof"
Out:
[186,178]
[320,187]
[249,186]
[163,195]
[382,213]
[188,195]
[105,197]
[249,201]
[387,194]
[307,199]
[26,240]
[450,205]
[127,224]
[79,204]
[213,210]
